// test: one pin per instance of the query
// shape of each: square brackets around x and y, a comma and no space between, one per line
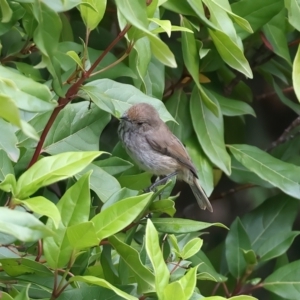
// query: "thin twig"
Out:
[40,250]
[268,95]
[71,93]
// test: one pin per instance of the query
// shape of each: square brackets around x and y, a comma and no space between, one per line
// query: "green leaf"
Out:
[231,53]
[118,216]
[9,111]
[62,5]
[236,241]
[191,248]
[76,128]
[22,225]
[103,283]
[136,14]
[116,98]
[275,33]
[92,18]
[42,206]
[74,208]
[191,61]
[76,58]
[136,182]
[280,174]
[22,266]
[6,167]
[256,13]
[243,23]
[293,8]
[104,188]
[164,24]
[241,297]
[230,107]
[269,226]
[144,277]
[173,291]
[296,74]
[23,295]
[163,206]
[6,296]
[285,281]
[22,99]
[209,130]
[27,85]
[82,235]
[205,268]
[203,166]
[188,283]
[52,169]
[6,11]
[9,184]
[176,225]
[114,165]
[8,141]
[178,107]
[155,255]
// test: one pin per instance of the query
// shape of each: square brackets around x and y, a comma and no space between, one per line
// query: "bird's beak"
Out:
[125,118]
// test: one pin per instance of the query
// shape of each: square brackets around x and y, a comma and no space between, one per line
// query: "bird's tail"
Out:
[201,198]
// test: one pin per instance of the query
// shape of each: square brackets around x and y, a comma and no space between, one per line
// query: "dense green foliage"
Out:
[74,218]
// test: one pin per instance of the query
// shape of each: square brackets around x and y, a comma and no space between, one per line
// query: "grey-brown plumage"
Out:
[156,149]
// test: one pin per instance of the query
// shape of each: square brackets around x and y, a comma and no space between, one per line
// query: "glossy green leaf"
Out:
[163,206]
[285,281]
[280,174]
[6,166]
[52,169]
[76,58]
[155,255]
[136,14]
[130,256]
[27,85]
[9,184]
[275,33]
[136,182]
[191,61]
[187,283]
[191,248]
[230,107]
[91,17]
[61,5]
[22,225]
[74,207]
[23,295]
[173,291]
[103,283]
[241,297]
[44,207]
[296,74]
[22,99]
[176,225]
[76,128]
[104,188]
[116,98]
[22,266]
[6,11]
[203,166]
[119,215]
[269,226]
[210,132]
[206,270]
[256,13]
[82,235]
[243,23]
[8,140]
[231,53]
[236,241]
[6,296]
[178,107]
[293,8]
[164,24]
[114,165]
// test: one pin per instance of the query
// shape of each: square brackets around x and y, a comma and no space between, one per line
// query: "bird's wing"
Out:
[170,146]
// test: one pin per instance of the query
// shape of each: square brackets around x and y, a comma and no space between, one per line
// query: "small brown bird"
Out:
[152,145]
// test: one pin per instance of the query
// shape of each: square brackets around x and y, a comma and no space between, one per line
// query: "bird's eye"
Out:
[140,123]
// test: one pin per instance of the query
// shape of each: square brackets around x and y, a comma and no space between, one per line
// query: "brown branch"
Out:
[233,191]
[40,251]
[268,95]
[71,94]
[285,135]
